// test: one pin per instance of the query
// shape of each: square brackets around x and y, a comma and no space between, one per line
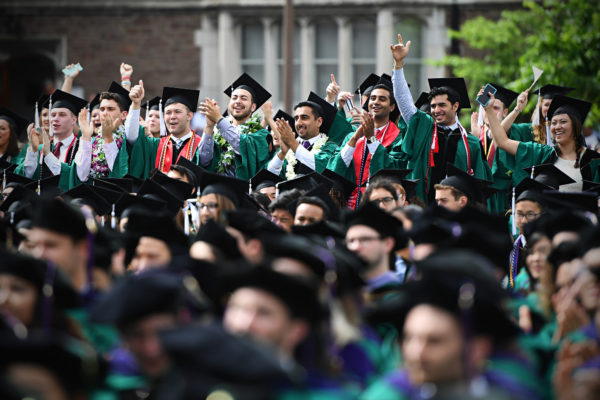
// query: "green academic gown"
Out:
[416,146]
[503,166]
[254,154]
[142,158]
[322,157]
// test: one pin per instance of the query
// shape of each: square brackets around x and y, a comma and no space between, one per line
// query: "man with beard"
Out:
[240,138]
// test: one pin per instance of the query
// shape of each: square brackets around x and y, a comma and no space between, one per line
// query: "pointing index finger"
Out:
[333,79]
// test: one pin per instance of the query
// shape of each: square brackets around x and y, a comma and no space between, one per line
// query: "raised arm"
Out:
[498,133]
[132,122]
[512,116]
[67,85]
[401,92]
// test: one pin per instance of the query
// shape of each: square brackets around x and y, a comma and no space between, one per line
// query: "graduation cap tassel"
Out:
[50,131]
[147,108]
[536,113]
[3,180]
[249,186]
[277,190]
[102,220]
[512,205]
[163,127]
[186,220]
[37,116]
[532,172]
[113,218]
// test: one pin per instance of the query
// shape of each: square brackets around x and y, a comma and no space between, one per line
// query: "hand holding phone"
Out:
[484,98]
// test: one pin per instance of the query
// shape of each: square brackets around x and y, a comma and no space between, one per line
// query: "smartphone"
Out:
[349,105]
[484,99]
[70,71]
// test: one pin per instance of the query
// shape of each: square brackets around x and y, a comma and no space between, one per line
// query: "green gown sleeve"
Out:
[415,148]
[529,154]
[20,158]
[20,170]
[388,158]
[143,155]
[337,164]
[254,154]
[339,129]
[324,155]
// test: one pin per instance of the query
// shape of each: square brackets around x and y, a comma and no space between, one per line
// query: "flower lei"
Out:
[290,157]
[227,160]
[99,165]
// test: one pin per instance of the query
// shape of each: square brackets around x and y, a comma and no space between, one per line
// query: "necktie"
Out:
[306,144]
[56,151]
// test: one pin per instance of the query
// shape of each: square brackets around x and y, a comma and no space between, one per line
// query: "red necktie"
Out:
[56,151]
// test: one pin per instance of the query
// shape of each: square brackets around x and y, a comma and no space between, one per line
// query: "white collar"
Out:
[182,139]
[312,140]
[66,141]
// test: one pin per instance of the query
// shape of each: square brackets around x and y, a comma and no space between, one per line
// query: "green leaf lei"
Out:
[227,160]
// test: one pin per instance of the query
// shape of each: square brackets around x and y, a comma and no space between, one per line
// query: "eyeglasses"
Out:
[361,240]
[210,206]
[384,200]
[528,216]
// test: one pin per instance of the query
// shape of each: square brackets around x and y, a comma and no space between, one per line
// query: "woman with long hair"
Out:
[11,125]
[569,153]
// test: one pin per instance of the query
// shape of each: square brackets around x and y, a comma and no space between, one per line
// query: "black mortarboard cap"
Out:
[563,104]
[530,189]
[259,94]
[505,95]
[180,189]
[216,235]
[62,99]
[138,202]
[57,216]
[374,217]
[304,182]
[194,168]
[321,192]
[461,180]
[187,97]
[422,102]
[89,196]
[122,93]
[329,111]
[11,177]
[392,174]
[19,193]
[157,225]
[369,82]
[225,370]
[95,103]
[6,166]
[458,85]
[138,296]
[592,187]
[410,187]
[43,101]
[124,185]
[152,104]
[48,186]
[321,228]
[151,187]
[75,364]
[298,248]
[263,179]
[549,91]
[287,117]
[583,201]
[295,292]
[549,175]
[137,182]
[252,224]
[343,185]
[15,119]
[230,187]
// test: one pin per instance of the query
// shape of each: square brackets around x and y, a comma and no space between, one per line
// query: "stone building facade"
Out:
[206,44]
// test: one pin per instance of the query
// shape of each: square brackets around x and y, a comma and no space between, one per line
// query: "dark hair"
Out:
[315,201]
[261,199]
[379,184]
[13,141]
[284,200]
[453,96]
[112,96]
[185,172]
[577,134]
[316,109]
[564,252]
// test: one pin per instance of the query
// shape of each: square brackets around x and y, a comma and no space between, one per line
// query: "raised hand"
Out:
[33,137]
[86,129]
[109,125]
[126,70]
[399,51]
[522,101]
[211,110]
[489,108]
[267,110]
[368,125]
[46,142]
[136,94]
[332,90]
[343,97]
[73,74]
[286,135]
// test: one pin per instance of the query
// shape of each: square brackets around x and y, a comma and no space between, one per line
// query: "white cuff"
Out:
[132,125]
[305,157]
[52,163]
[30,162]
[347,153]
[275,165]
